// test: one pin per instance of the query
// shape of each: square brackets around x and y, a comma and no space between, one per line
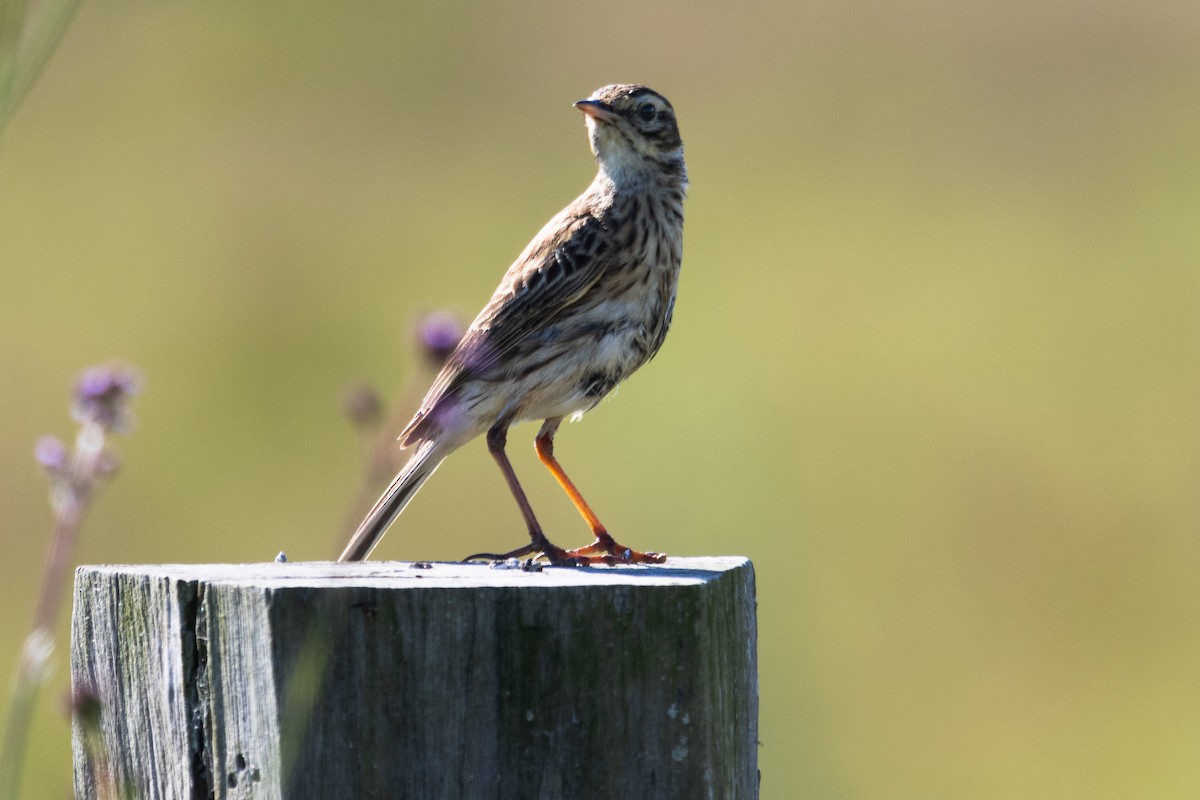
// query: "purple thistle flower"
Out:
[438,333]
[102,396]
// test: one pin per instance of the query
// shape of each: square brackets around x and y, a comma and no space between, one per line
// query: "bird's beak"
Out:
[597,110]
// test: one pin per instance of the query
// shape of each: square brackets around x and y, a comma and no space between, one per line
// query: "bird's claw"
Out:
[603,551]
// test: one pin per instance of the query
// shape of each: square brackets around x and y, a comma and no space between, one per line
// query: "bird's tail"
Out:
[424,460]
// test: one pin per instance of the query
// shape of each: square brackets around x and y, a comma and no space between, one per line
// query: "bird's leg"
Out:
[538,543]
[613,553]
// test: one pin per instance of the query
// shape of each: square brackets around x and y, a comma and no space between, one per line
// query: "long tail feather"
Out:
[425,459]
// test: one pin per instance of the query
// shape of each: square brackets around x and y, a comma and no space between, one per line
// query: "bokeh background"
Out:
[934,364]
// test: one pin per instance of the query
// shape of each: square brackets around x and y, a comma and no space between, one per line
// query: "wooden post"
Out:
[416,680]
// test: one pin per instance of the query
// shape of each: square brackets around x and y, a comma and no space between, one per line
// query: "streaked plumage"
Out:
[587,303]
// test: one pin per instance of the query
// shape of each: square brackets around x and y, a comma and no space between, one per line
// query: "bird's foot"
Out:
[606,550]
[603,551]
[536,550]
[520,552]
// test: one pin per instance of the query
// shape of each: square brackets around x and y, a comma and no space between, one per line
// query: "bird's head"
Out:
[633,133]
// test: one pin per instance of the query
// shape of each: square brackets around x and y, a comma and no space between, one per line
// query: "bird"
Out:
[588,302]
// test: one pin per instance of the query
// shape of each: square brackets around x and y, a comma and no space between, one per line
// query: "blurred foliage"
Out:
[28,35]
[934,364]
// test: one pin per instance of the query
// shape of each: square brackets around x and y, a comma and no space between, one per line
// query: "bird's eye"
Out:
[647,111]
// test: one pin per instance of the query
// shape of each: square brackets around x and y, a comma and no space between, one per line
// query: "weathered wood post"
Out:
[411,680]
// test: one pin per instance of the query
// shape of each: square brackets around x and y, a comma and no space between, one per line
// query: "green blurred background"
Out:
[934,364]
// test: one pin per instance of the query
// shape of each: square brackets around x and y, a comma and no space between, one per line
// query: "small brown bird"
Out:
[587,303]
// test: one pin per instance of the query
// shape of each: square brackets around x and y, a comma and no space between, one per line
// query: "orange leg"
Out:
[613,553]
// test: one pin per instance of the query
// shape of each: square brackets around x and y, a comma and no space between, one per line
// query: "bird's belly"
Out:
[570,364]
[583,372]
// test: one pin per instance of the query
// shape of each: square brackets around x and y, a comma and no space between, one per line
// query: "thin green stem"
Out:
[27,39]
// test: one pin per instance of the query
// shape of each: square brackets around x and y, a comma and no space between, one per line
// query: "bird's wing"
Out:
[558,267]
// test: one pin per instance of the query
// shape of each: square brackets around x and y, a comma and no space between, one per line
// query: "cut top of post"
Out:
[426,574]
